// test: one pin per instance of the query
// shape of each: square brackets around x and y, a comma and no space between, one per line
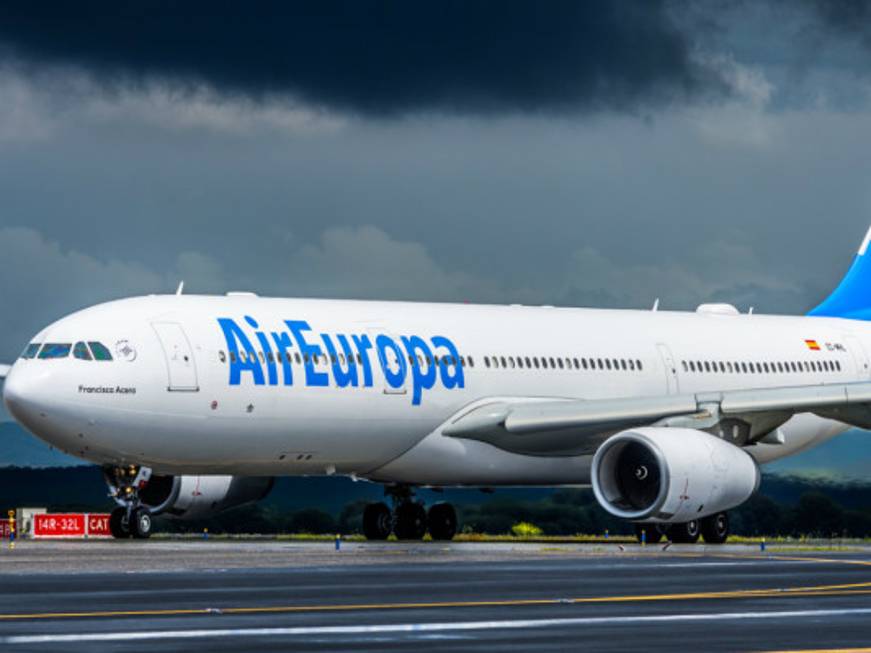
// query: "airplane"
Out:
[193,404]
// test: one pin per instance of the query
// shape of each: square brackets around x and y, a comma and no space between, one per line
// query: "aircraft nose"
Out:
[22,393]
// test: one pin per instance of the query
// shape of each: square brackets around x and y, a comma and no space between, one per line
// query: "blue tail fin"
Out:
[852,298]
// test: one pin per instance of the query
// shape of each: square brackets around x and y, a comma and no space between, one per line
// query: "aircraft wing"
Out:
[572,427]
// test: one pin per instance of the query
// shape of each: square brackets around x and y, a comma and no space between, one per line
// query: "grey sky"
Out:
[695,155]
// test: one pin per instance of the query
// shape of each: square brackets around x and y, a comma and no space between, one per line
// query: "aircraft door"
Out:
[670,368]
[178,354]
[860,356]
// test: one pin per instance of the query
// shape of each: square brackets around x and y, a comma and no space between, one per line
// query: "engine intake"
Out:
[671,475]
[190,497]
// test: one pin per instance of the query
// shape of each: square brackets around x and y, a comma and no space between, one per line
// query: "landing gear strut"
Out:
[409,519]
[131,518]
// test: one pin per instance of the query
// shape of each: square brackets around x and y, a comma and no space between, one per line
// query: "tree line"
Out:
[785,506]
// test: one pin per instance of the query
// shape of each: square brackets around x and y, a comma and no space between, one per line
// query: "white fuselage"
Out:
[169,400]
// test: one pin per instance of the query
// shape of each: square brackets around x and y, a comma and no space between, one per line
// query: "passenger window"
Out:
[838,365]
[638,364]
[608,363]
[729,367]
[503,362]
[100,351]
[577,363]
[560,362]
[81,352]
[722,367]
[486,361]
[30,350]
[623,364]
[707,366]
[528,363]
[55,350]
[692,366]
[511,361]
[221,355]
[471,362]
[686,367]
[584,363]
[631,364]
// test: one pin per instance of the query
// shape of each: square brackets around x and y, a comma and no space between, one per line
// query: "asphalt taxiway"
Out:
[165,596]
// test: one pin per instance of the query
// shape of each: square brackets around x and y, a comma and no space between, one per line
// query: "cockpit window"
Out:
[31,349]
[101,353]
[81,352]
[55,350]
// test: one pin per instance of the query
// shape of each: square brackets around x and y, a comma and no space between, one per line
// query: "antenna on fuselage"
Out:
[655,305]
[180,289]
[750,312]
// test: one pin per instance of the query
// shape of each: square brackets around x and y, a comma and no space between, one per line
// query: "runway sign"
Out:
[98,525]
[71,525]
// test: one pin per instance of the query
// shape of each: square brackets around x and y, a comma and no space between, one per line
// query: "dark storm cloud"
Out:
[843,15]
[378,57]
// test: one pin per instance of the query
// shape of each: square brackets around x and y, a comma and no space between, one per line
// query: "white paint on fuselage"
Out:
[295,429]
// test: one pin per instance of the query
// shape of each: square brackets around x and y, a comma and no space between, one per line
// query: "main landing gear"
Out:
[131,518]
[409,519]
[714,529]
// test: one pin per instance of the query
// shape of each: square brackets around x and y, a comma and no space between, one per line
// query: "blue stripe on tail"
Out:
[852,298]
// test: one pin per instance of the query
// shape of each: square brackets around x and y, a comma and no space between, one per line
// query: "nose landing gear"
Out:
[131,518]
[409,519]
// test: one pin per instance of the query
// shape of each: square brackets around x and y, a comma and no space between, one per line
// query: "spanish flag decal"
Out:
[812,345]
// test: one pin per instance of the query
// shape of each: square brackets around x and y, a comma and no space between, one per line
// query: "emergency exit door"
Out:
[669,367]
[181,368]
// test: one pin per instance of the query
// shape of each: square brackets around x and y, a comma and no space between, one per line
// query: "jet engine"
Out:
[671,475]
[192,497]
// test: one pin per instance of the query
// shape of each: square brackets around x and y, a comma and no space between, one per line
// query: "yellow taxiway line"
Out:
[803,591]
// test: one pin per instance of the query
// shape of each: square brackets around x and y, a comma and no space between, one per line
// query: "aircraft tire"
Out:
[377,521]
[118,523]
[685,533]
[141,523]
[715,528]
[442,520]
[410,521]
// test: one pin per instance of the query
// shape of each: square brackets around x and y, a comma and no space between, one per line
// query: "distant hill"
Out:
[842,458]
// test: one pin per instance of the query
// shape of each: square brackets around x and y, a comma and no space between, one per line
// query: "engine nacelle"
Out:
[191,497]
[671,475]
